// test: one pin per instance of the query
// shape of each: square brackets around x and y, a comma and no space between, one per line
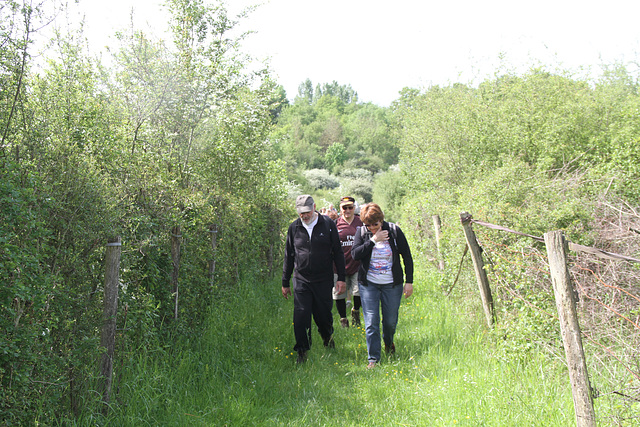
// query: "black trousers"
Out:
[311,300]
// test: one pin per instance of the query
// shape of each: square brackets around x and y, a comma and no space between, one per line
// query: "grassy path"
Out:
[241,372]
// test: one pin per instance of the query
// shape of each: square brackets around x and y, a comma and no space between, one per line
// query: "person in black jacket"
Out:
[381,280]
[312,249]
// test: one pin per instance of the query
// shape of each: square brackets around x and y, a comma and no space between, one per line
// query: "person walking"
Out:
[347,225]
[312,249]
[381,279]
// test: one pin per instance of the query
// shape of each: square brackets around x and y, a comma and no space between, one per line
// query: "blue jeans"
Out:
[373,297]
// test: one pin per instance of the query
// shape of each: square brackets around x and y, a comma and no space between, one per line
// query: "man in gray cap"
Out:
[312,248]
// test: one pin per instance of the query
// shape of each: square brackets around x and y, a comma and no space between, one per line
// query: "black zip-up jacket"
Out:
[363,246]
[313,259]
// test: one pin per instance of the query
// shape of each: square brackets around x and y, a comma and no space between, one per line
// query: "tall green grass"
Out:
[241,371]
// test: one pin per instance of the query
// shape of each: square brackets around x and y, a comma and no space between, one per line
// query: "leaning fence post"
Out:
[437,226]
[570,329]
[110,309]
[175,262]
[478,264]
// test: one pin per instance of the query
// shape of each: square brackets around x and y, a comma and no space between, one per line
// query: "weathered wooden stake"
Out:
[270,250]
[108,337]
[570,329]
[478,264]
[213,230]
[437,226]
[175,262]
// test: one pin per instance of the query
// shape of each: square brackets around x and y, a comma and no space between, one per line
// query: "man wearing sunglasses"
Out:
[347,225]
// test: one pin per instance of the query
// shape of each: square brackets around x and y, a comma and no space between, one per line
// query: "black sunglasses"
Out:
[347,207]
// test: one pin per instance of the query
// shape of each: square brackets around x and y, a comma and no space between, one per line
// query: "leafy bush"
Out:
[321,178]
[335,156]
[360,189]
[356,173]
[389,192]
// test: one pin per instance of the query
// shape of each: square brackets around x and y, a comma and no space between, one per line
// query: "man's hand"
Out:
[408,289]
[286,292]
[341,287]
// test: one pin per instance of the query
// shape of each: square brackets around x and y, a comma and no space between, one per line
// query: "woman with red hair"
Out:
[381,279]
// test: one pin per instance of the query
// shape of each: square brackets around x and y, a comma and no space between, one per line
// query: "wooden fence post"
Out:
[270,250]
[213,230]
[175,262]
[437,226]
[110,309]
[478,264]
[570,329]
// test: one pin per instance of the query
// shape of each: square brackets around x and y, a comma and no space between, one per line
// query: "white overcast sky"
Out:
[380,47]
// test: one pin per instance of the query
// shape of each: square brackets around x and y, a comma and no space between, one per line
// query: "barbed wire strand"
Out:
[584,293]
[606,284]
[624,365]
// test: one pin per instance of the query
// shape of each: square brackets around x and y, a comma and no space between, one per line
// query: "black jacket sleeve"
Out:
[405,251]
[289,257]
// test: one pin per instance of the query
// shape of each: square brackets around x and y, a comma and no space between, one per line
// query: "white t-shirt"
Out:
[310,226]
[380,266]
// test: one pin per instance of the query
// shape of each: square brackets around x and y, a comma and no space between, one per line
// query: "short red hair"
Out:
[371,213]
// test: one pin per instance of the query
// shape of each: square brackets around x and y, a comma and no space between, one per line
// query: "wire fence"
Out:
[606,289]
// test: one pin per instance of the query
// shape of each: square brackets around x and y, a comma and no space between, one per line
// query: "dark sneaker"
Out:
[344,322]
[329,342]
[302,357]
[390,350]
[355,317]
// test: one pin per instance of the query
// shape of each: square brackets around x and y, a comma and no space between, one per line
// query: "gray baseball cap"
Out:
[304,203]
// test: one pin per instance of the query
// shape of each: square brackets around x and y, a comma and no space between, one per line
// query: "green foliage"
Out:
[328,128]
[356,173]
[335,156]
[321,178]
[357,183]
[389,192]
[28,284]
[515,149]
[344,93]
[170,135]
[369,129]
[616,156]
